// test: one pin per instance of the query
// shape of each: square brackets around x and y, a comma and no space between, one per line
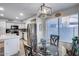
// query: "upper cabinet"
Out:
[2,27]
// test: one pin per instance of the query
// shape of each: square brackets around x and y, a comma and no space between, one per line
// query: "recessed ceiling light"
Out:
[17,17]
[1,14]
[21,14]
[1,9]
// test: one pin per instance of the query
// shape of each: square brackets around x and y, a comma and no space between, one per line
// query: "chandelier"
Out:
[45,10]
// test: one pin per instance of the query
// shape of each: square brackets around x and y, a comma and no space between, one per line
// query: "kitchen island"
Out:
[10,44]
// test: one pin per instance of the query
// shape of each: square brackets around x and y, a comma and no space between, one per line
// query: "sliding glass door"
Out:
[65,29]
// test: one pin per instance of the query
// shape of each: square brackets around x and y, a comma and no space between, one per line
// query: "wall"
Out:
[39,30]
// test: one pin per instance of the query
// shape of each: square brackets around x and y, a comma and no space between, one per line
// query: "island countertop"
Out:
[7,36]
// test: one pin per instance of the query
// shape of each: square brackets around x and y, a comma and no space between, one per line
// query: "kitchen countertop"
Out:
[8,36]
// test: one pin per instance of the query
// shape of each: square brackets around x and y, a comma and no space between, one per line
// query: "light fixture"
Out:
[1,9]
[17,17]
[1,14]
[45,10]
[21,14]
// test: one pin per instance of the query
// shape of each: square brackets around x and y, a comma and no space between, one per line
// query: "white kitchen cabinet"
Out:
[11,46]
[2,27]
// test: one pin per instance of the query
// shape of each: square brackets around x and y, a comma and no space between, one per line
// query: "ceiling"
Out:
[12,10]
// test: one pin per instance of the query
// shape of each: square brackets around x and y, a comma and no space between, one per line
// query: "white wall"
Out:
[39,30]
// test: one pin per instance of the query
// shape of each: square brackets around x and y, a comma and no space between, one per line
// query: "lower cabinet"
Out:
[2,48]
[11,46]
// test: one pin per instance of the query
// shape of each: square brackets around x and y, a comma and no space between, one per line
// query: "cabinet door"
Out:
[11,46]
[1,48]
